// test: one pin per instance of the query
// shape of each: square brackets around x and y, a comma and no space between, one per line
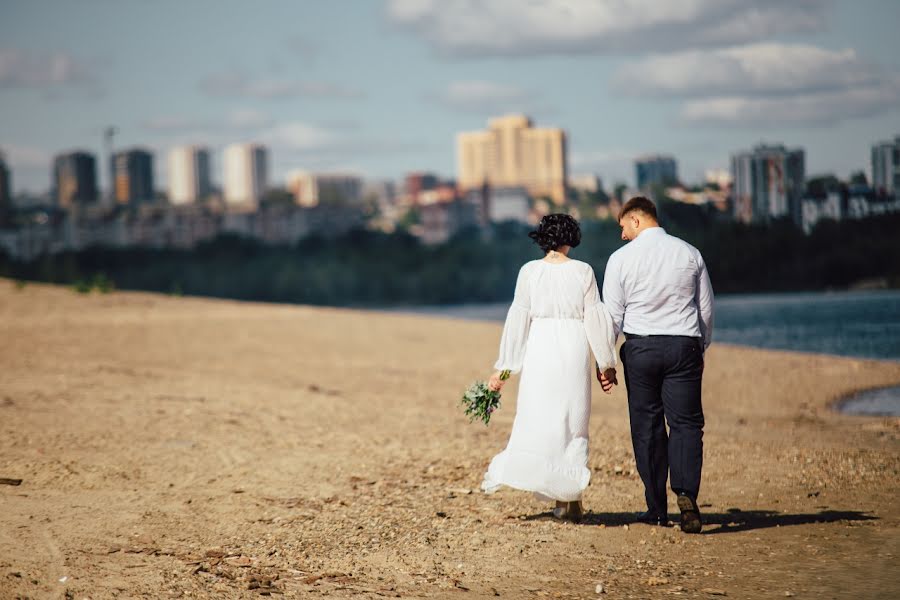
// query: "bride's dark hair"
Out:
[556,230]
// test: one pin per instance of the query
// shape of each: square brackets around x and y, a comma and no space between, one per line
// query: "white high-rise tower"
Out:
[246,174]
[188,174]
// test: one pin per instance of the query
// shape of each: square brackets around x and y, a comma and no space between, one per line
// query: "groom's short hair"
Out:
[639,203]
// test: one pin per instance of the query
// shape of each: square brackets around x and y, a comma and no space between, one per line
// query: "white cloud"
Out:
[299,136]
[483,97]
[754,69]
[24,69]
[240,86]
[759,84]
[537,27]
[823,108]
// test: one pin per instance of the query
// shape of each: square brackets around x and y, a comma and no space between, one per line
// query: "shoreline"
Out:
[439,311]
[735,310]
[175,446]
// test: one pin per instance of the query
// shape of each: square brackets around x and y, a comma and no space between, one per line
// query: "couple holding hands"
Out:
[656,291]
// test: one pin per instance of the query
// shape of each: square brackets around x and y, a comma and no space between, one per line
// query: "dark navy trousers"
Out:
[663,376]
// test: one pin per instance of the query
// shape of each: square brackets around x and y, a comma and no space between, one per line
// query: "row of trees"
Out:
[364,268]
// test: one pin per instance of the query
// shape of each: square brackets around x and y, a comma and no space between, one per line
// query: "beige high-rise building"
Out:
[512,153]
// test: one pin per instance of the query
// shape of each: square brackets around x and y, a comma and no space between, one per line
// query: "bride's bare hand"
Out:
[495,384]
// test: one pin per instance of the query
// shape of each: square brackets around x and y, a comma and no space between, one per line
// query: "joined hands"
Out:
[607,379]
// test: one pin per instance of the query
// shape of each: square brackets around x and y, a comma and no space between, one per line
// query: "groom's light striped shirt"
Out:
[657,284]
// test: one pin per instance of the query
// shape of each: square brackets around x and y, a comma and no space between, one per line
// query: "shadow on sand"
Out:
[733,520]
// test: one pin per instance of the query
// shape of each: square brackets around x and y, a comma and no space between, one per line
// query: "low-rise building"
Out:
[165,226]
[855,202]
[313,189]
[442,220]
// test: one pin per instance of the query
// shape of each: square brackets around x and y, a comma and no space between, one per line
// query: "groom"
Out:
[658,292]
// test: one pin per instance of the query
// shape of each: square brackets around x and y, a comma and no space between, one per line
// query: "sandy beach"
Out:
[182,447]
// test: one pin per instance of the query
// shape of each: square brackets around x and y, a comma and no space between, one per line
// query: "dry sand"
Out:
[177,447]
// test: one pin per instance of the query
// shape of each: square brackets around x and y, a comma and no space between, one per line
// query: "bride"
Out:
[554,326]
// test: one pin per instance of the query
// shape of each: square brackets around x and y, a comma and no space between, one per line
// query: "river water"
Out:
[864,324]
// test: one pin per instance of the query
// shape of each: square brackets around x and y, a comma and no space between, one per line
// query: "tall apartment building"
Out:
[75,179]
[189,179]
[768,184]
[886,168]
[5,193]
[655,169]
[513,153]
[132,176]
[246,174]
[312,189]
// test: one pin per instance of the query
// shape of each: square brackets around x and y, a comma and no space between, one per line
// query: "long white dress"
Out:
[555,325]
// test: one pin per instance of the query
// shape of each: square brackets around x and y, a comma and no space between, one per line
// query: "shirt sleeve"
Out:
[705,303]
[515,330]
[598,326]
[614,295]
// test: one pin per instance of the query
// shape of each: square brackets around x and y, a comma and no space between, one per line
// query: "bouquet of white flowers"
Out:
[480,401]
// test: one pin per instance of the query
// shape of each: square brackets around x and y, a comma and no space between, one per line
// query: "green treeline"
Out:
[363,268]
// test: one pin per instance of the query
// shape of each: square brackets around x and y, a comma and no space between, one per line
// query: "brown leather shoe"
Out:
[690,514]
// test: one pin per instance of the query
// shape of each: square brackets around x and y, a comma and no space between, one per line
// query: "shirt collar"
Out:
[651,231]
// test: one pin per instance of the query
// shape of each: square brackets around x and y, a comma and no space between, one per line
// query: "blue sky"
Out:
[381,86]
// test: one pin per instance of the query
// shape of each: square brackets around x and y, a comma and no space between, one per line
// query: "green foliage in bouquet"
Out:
[480,401]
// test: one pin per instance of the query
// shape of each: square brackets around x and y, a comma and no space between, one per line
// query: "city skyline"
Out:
[382,89]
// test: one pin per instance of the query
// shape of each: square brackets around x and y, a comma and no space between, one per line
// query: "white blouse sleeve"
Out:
[515,330]
[598,326]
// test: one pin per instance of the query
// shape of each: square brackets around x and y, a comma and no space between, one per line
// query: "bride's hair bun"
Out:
[556,230]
